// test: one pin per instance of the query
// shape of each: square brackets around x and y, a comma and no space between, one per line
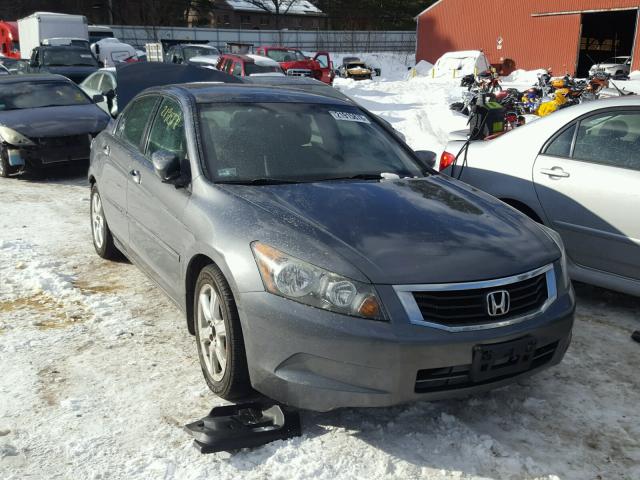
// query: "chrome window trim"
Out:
[405,294]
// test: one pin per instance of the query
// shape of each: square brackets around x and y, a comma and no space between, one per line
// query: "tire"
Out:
[100,233]
[218,335]
[5,168]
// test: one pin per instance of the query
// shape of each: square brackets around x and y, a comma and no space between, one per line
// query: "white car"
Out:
[205,61]
[615,66]
[461,63]
[576,171]
[103,82]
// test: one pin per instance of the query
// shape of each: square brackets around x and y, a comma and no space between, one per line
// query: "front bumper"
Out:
[48,151]
[318,360]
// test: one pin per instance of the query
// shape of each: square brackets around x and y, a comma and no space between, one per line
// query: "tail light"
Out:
[446,160]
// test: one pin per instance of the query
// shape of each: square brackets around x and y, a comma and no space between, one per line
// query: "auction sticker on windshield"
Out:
[349,117]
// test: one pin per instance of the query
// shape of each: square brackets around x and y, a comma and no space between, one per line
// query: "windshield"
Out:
[252,68]
[190,52]
[41,94]
[290,55]
[69,57]
[297,142]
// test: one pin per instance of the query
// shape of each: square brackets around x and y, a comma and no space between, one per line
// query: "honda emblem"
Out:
[498,303]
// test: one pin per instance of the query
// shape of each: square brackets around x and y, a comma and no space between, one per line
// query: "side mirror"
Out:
[166,165]
[427,158]
[98,98]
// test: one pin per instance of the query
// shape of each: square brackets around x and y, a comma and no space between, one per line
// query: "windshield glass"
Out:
[290,55]
[190,52]
[297,142]
[69,57]
[251,68]
[45,94]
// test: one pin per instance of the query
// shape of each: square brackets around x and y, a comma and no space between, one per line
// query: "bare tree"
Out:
[275,7]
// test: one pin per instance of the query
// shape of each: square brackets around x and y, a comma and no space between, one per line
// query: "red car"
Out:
[295,63]
[248,65]
[9,45]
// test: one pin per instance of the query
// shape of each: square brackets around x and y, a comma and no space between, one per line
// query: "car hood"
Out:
[411,231]
[56,121]
[77,74]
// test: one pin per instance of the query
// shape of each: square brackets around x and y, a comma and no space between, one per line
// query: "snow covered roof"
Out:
[295,7]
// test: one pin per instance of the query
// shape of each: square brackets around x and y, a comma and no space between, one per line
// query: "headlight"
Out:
[555,236]
[297,280]
[14,138]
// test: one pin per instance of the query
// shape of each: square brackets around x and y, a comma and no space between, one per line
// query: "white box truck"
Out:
[42,25]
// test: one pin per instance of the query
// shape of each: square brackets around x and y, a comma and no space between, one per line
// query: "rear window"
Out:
[41,94]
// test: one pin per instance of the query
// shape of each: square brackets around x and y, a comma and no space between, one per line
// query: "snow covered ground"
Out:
[99,374]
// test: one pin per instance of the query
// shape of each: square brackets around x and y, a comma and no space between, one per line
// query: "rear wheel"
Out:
[219,336]
[102,238]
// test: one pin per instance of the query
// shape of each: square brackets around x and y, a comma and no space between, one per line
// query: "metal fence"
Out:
[311,40]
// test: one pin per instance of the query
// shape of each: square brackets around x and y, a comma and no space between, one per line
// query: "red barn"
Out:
[564,35]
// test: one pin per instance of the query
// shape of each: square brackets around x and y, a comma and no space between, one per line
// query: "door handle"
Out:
[555,172]
[136,176]
[106,149]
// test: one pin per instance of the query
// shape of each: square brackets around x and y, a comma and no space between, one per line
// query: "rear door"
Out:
[155,209]
[588,182]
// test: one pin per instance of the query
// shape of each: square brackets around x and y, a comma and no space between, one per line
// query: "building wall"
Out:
[528,40]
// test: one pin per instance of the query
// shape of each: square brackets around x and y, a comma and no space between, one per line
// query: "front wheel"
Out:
[219,336]
[102,237]
[5,168]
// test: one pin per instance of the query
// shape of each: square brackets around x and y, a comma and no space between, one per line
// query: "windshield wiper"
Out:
[359,176]
[260,181]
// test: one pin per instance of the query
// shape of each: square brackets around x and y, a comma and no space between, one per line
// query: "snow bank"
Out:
[524,76]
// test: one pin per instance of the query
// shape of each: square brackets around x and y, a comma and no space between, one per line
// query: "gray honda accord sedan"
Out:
[317,259]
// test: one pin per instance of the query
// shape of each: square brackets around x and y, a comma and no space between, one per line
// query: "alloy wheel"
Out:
[97,220]
[212,332]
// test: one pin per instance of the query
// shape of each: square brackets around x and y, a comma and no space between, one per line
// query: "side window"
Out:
[561,145]
[134,119]
[94,81]
[610,138]
[237,69]
[167,132]
[106,84]
[323,60]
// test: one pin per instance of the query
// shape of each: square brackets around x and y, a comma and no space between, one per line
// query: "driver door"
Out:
[588,182]
[326,65]
[157,234]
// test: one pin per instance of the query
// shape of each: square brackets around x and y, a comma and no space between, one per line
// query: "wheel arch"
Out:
[523,208]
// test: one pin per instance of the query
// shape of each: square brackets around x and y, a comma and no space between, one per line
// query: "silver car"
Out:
[316,257]
[576,171]
[614,66]
[103,82]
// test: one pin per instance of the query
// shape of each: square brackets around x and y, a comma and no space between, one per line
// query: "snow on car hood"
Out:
[56,121]
[411,231]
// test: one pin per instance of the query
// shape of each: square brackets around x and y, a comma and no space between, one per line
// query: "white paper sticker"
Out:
[349,117]
[227,172]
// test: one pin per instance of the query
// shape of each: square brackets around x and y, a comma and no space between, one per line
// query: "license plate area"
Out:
[502,359]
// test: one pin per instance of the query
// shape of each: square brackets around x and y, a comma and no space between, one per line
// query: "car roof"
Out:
[207,92]
[40,77]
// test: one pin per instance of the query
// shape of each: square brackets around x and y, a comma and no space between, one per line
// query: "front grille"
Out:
[460,308]
[66,141]
[451,378]
[299,72]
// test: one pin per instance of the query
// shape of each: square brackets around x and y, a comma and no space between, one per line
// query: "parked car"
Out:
[295,63]
[248,65]
[461,63]
[354,68]
[15,66]
[45,120]
[75,63]
[578,172]
[111,52]
[315,86]
[103,82]
[205,61]
[614,66]
[316,258]
[184,52]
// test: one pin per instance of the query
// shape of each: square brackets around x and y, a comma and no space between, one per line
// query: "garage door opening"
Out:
[605,35]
